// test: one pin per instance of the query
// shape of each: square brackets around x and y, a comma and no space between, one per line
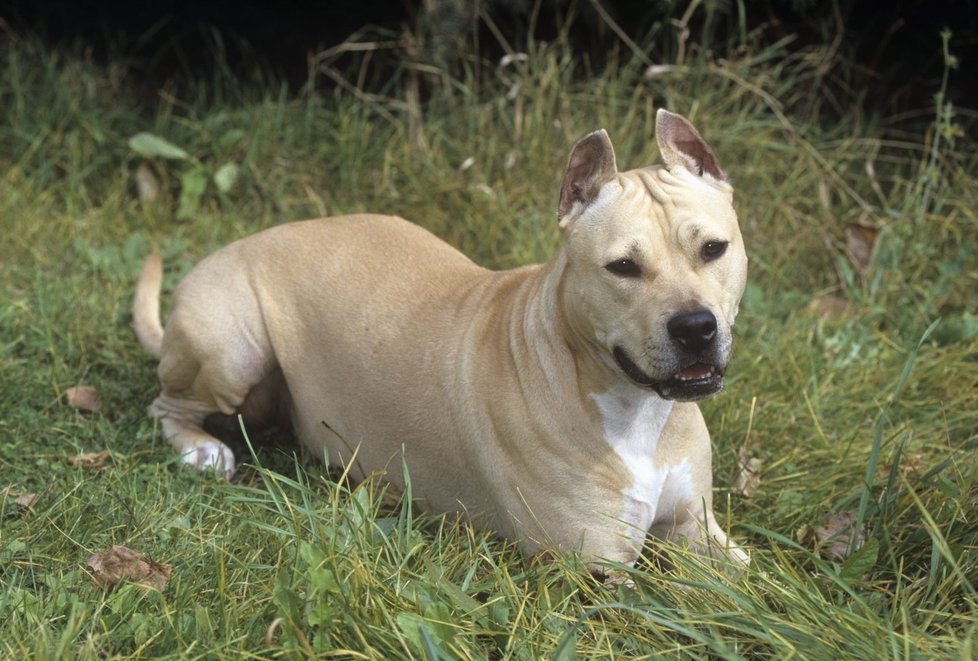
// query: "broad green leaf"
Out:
[433,649]
[193,183]
[438,618]
[567,650]
[225,176]
[860,562]
[149,145]
[957,326]
[410,625]
[427,633]
[289,603]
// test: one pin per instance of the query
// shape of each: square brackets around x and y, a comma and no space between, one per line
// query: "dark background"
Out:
[892,50]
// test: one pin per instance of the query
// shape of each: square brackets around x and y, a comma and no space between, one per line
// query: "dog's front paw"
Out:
[211,455]
[615,578]
[738,557]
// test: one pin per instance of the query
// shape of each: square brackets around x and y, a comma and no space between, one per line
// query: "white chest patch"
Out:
[633,422]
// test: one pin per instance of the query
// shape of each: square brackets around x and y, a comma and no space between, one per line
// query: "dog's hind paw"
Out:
[211,455]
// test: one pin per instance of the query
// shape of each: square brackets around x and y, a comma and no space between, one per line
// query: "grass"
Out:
[285,561]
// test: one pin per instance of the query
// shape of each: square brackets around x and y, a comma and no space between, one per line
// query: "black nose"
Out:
[694,330]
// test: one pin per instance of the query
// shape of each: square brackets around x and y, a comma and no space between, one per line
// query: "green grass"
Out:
[287,561]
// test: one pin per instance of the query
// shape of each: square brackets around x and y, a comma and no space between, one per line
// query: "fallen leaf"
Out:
[28,500]
[147,184]
[89,460]
[860,240]
[909,466]
[83,397]
[120,564]
[748,477]
[828,307]
[831,539]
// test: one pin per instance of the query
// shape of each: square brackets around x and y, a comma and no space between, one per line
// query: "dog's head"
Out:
[655,261]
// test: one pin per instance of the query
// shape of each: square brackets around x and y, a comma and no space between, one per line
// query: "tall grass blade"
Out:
[881,422]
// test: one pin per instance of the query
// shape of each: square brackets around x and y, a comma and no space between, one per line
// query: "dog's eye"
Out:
[713,250]
[625,268]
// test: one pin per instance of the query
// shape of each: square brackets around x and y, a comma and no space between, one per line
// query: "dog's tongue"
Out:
[694,372]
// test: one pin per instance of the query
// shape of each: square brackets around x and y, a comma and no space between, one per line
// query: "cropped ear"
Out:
[590,166]
[681,144]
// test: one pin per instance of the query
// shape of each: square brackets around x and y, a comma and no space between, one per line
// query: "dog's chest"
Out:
[633,423]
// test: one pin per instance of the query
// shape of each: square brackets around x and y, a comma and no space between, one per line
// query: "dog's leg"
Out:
[183,431]
[699,528]
[209,366]
[690,517]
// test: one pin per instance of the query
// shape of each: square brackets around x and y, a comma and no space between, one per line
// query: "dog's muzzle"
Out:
[701,375]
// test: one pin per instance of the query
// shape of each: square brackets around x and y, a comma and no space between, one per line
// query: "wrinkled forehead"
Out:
[639,205]
[681,195]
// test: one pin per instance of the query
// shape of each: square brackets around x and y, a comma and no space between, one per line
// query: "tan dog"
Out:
[554,400]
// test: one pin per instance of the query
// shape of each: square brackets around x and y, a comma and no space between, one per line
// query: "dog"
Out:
[555,403]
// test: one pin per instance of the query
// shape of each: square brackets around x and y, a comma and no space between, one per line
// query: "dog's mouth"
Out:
[695,381]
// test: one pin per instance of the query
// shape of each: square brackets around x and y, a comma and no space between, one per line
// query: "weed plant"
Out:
[843,390]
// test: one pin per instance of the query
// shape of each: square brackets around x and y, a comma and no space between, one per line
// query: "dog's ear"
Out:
[681,144]
[590,166]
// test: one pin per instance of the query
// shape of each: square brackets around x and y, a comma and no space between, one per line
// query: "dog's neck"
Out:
[540,312]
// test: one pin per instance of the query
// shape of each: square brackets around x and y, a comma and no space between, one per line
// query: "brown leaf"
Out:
[27,500]
[860,240]
[83,397]
[831,539]
[120,564]
[748,478]
[828,307]
[90,460]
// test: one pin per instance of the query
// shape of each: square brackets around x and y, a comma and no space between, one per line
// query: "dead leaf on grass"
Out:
[120,564]
[147,184]
[909,466]
[28,500]
[860,240]
[90,460]
[828,307]
[83,397]
[831,539]
[748,477]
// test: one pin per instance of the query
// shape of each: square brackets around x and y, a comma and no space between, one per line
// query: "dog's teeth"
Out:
[695,372]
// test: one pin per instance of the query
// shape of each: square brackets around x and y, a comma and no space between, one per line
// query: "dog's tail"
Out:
[146,306]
